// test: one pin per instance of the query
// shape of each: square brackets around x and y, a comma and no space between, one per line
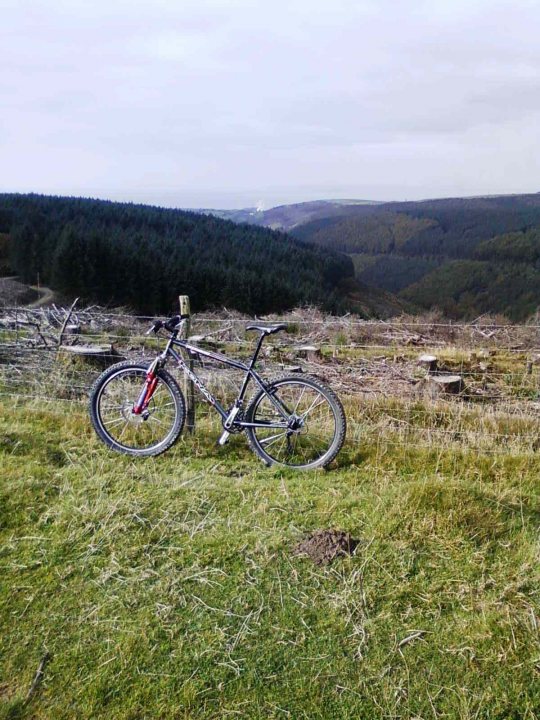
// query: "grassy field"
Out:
[167,588]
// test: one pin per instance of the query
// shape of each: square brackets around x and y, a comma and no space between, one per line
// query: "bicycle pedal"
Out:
[224,438]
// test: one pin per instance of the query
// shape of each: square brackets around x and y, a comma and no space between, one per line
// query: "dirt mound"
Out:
[323,546]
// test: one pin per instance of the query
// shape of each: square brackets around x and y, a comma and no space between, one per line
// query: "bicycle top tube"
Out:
[194,349]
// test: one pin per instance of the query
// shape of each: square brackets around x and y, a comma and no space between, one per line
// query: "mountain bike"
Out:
[139,409]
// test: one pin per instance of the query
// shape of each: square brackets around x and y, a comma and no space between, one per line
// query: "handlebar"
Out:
[156,327]
[172,324]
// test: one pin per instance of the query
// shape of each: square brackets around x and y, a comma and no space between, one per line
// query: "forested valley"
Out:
[142,257]
[463,256]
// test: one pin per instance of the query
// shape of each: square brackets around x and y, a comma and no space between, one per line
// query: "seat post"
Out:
[245,383]
[257,351]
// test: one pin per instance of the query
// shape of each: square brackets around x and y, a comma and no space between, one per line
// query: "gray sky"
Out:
[215,103]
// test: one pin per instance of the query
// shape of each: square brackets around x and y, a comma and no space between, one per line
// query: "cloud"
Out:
[189,100]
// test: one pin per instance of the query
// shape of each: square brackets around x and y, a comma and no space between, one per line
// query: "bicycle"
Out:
[140,410]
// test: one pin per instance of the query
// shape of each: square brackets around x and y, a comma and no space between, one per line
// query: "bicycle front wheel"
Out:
[315,423]
[112,398]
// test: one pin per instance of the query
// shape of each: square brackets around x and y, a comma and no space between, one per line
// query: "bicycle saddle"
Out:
[267,329]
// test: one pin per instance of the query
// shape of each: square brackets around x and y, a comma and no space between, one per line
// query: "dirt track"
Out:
[46,296]
[14,292]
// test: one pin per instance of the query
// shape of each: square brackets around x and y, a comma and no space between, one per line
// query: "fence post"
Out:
[189,390]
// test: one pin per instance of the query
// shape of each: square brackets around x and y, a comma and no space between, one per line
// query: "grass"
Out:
[166,588]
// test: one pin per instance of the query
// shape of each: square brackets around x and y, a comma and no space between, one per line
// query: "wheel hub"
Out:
[296,423]
[131,417]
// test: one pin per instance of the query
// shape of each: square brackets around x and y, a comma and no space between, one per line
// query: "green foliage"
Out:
[450,228]
[394,272]
[364,229]
[143,257]
[4,254]
[415,248]
[521,247]
[468,288]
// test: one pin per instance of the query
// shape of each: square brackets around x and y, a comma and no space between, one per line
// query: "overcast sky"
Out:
[215,103]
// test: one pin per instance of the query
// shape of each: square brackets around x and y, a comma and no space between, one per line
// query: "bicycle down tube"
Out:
[250,373]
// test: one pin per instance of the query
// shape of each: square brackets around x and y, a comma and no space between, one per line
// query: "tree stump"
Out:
[436,385]
[309,353]
[292,368]
[101,356]
[206,341]
[428,363]
[72,330]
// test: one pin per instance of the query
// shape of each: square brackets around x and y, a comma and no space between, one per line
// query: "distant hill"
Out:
[286,217]
[143,257]
[465,256]
[411,248]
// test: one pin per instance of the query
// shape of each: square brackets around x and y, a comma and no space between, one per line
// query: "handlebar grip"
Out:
[156,327]
[172,323]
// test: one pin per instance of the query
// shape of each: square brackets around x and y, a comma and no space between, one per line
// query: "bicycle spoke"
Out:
[272,439]
[312,424]
[116,403]
[299,401]
[154,419]
[312,407]
[115,422]
[123,430]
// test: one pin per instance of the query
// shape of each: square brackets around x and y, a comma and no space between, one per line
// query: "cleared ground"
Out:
[168,588]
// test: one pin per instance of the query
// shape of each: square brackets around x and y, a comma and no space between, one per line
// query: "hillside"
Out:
[143,257]
[286,217]
[465,256]
[172,587]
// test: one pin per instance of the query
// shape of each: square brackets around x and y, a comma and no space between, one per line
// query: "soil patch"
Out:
[323,546]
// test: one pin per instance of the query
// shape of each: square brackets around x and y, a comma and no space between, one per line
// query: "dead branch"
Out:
[66,320]
[38,677]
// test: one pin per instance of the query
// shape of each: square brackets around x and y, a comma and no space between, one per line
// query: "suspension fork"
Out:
[149,388]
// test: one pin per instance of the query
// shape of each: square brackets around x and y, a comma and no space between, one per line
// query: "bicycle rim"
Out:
[307,445]
[135,433]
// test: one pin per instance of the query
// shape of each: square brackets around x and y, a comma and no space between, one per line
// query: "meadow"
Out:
[169,587]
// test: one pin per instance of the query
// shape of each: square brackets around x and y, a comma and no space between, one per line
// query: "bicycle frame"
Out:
[228,417]
[138,408]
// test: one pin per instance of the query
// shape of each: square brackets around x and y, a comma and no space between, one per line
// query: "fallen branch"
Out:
[415,635]
[68,316]
[38,677]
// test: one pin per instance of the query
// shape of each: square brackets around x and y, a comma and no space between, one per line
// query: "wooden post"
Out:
[189,390]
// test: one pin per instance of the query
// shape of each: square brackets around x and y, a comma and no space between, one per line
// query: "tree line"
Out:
[142,257]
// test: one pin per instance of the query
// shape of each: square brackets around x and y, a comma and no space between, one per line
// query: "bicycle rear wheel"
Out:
[112,398]
[315,420]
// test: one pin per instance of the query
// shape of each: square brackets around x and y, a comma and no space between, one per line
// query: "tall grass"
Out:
[167,588]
